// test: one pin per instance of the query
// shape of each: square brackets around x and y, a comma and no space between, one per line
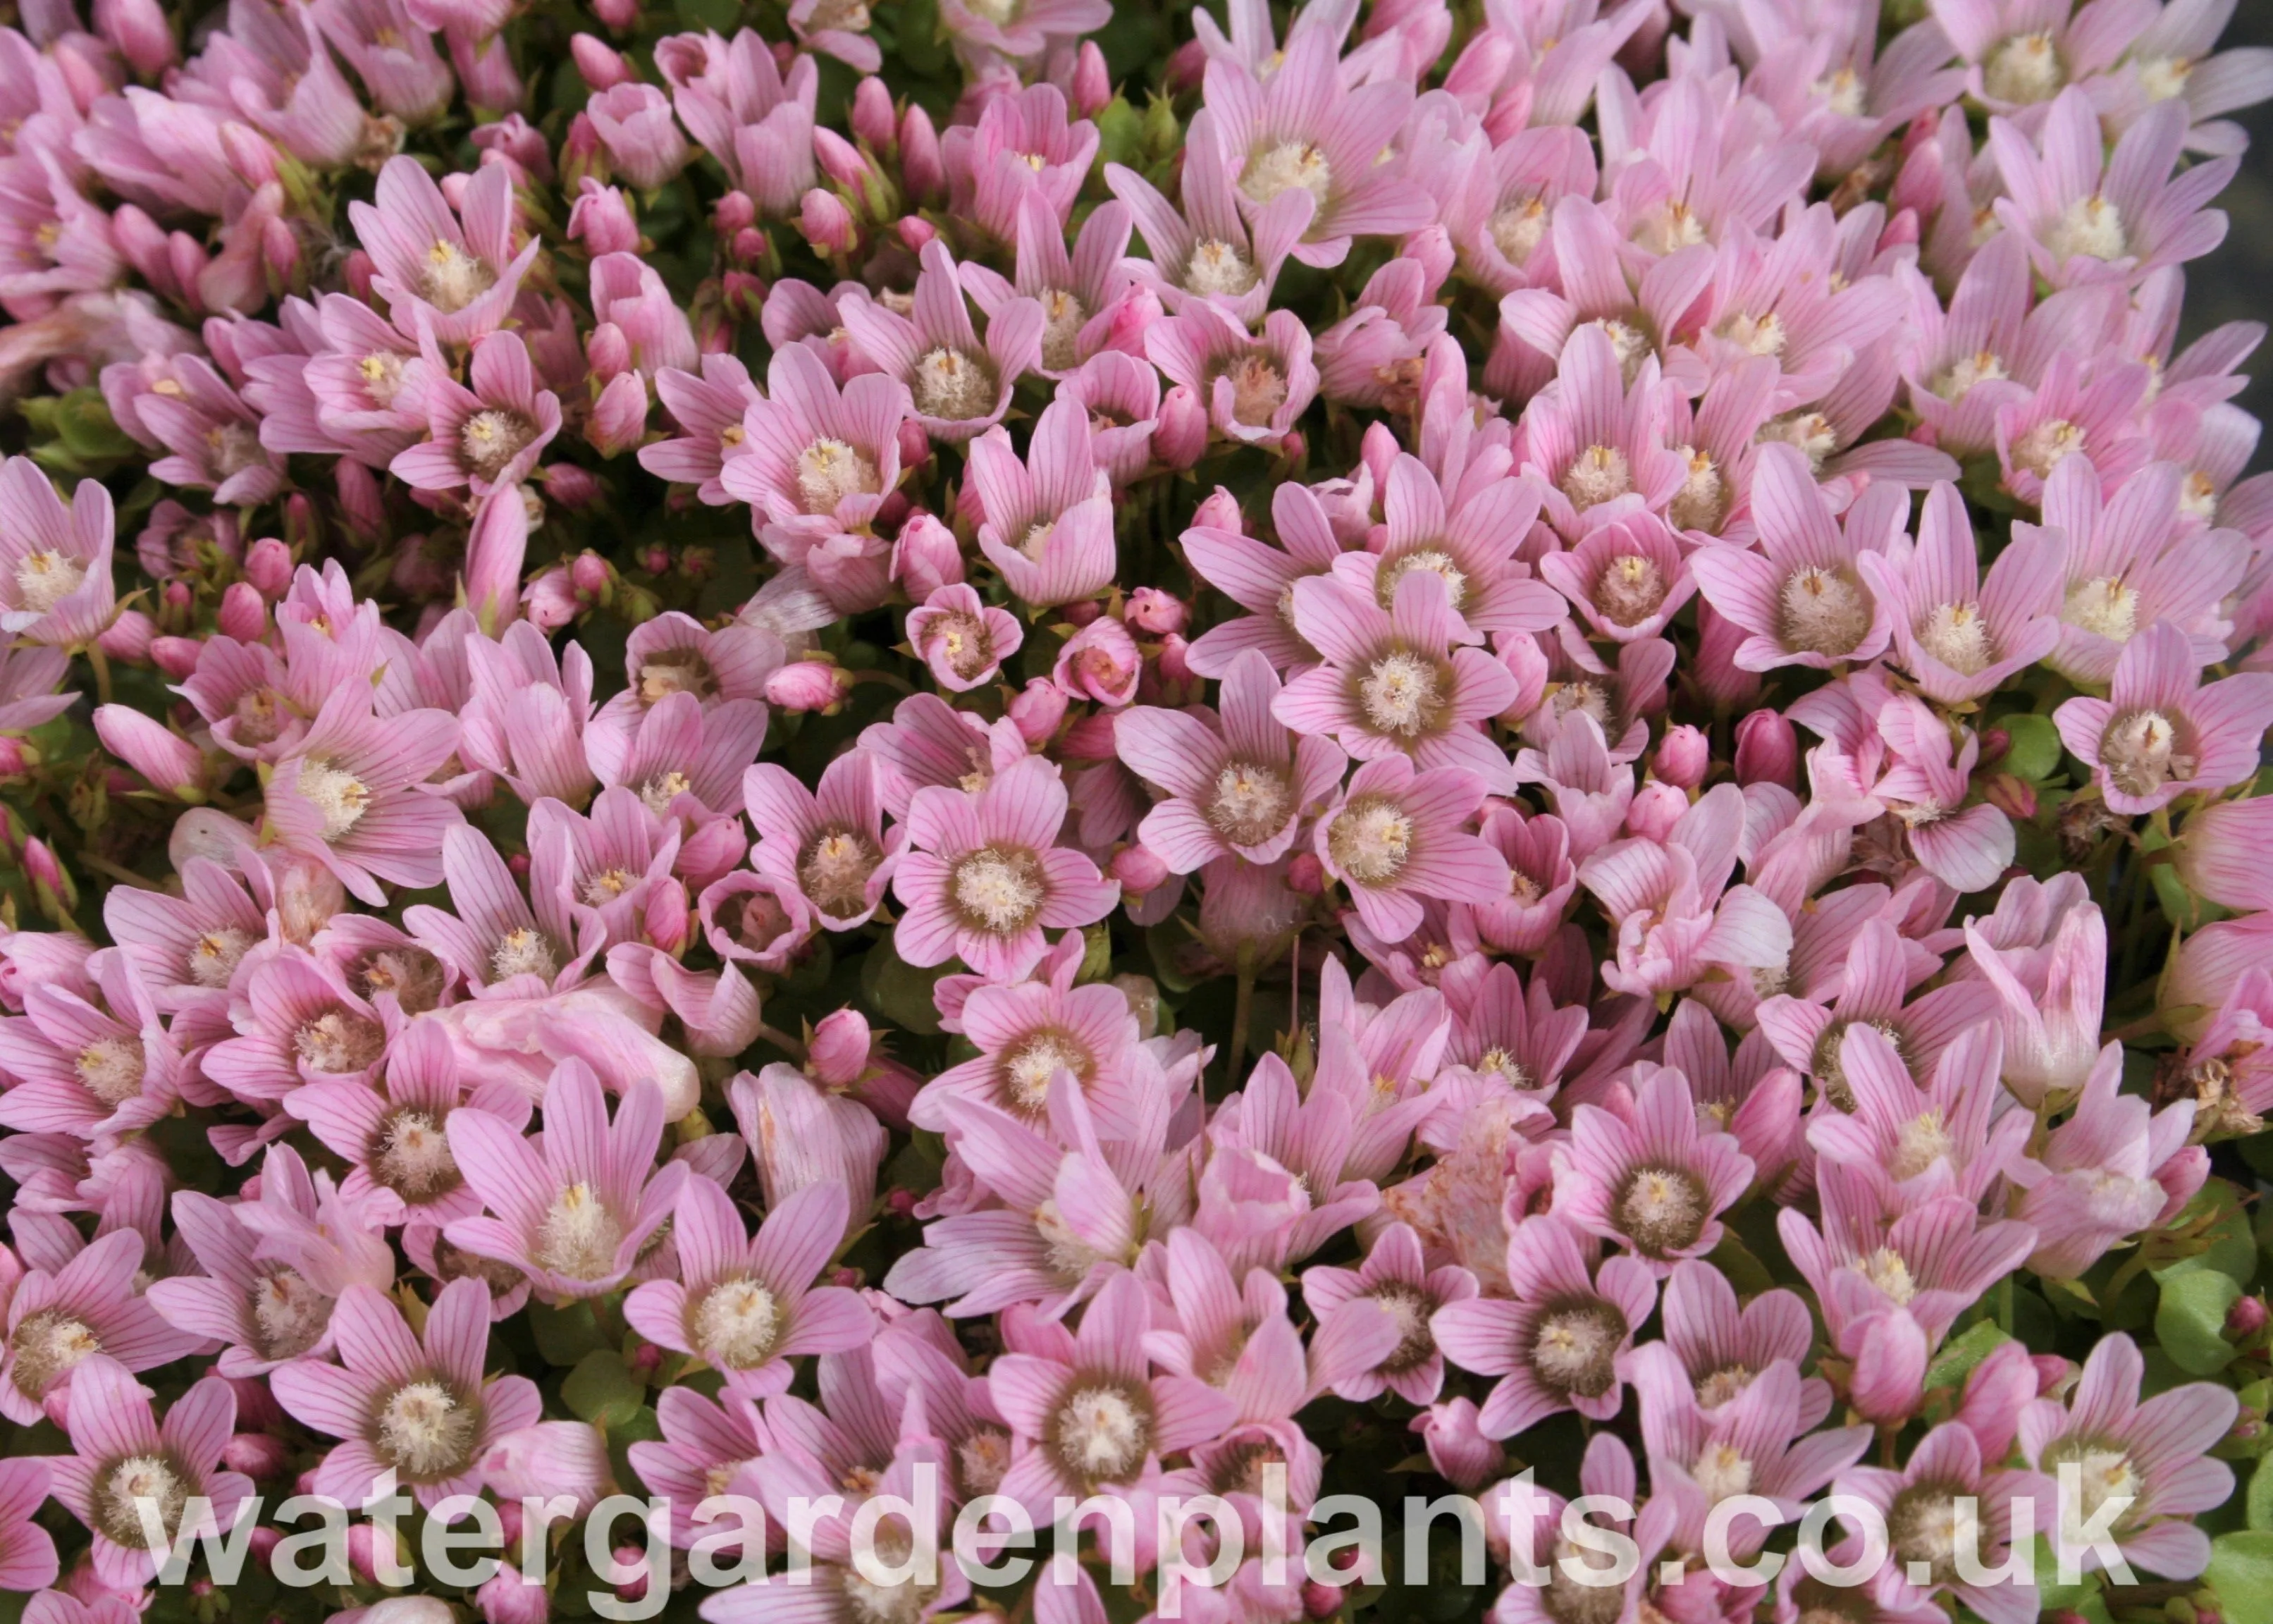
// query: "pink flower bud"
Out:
[1684,756]
[1139,869]
[922,171]
[825,223]
[840,160]
[808,685]
[506,1598]
[735,212]
[603,66]
[574,488]
[1320,1602]
[258,1456]
[1100,662]
[362,503]
[873,118]
[926,557]
[250,156]
[1219,511]
[618,419]
[608,350]
[169,762]
[2014,797]
[268,567]
[127,638]
[371,1551]
[242,615]
[1037,709]
[601,219]
[1181,436]
[1457,1447]
[14,764]
[915,444]
[1767,750]
[1186,63]
[177,657]
[1655,809]
[590,574]
[2245,1321]
[915,233]
[1306,875]
[619,15]
[550,601]
[139,31]
[265,1548]
[1092,87]
[838,1052]
[1152,611]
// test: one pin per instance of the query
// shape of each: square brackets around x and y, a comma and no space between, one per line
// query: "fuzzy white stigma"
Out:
[1630,588]
[1629,343]
[963,640]
[1955,381]
[1218,270]
[2140,752]
[1721,1470]
[112,1069]
[1409,1307]
[1662,1210]
[45,579]
[999,888]
[954,385]
[1259,389]
[1825,611]
[2198,496]
[1403,695]
[1102,1432]
[290,1313]
[1597,475]
[1671,227]
[2048,445]
[1289,166]
[1500,1061]
[426,1431]
[1924,1526]
[829,471]
[2102,1474]
[1719,1387]
[339,796]
[835,868]
[1702,502]
[1886,1270]
[453,278]
[2161,77]
[492,439]
[1957,635]
[1251,802]
[1028,1066]
[1919,1143]
[2091,226]
[579,1237]
[213,958]
[1809,431]
[2024,69]
[522,951]
[1371,841]
[658,793]
[738,1325]
[1063,316]
[381,372]
[1759,335]
[2103,606]
[1843,93]
[1576,1349]
[133,1484]
[599,890]
[48,1344]
[412,1157]
[981,1459]
[338,1042]
[1517,230]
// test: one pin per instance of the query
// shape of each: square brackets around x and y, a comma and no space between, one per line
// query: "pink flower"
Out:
[417,1407]
[129,1469]
[1595,441]
[27,1554]
[983,876]
[832,843]
[2132,559]
[960,387]
[1399,835]
[1259,578]
[461,281]
[1648,1176]
[2106,1174]
[2161,732]
[55,559]
[1675,915]
[748,1304]
[1945,1139]
[489,436]
[1208,249]
[100,1073]
[1027,1036]
[1925,786]
[1027,27]
[1395,1276]
[1555,1342]
[1254,387]
[577,1217]
[642,137]
[740,108]
[2050,1003]
[2103,1442]
[1021,149]
[1962,635]
[350,794]
[1048,523]
[87,1309]
[1920,1505]
[525,721]
[705,1444]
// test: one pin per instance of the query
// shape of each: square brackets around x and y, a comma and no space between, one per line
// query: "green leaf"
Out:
[2190,1323]
[2241,1572]
[2035,750]
[1958,1356]
[2261,1495]
[1745,1272]
[601,1390]
[899,992]
[564,1335]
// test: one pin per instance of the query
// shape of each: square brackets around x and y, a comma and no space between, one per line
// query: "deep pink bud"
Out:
[362,502]
[495,551]
[915,233]
[268,567]
[242,615]
[572,487]
[926,557]
[602,220]
[808,685]
[1092,87]
[1181,436]
[840,160]
[265,1548]
[922,171]
[619,15]
[826,222]
[2245,1321]
[506,1599]
[2014,797]
[127,638]
[603,66]
[171,764]
[1219,511]
[915,444]
[838,1054]
[1767,750]
[590,574]
[1684,756]
[1037,709]
[618,417]
[257,1455]
[875,119]
[1139,869]
[735,212]
[139,31]
[1151,610]
[369,1549]
[1306,875]
[177,657]
[1319,1601]
[1186,65]
[13,764]
[1655,809]
[608,351]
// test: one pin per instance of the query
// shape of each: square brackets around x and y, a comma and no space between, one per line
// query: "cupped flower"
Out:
[1399,834]
[2161,732]
[54,559]
[489,436]
[1945,1493]
[351,794]
[413,1407]
[1048,524]
[1626,577]
[1254,385]
[451,272]
[1962,634]
[1650,1178]
[815,457]
[2107,1174]
[99,1072]
[983,875]
[87,1308]
[831,841]
[1396,1277]
[1207,247]
[960,387]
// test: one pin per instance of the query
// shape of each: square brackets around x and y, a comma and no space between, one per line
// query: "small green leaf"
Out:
[601,1390]
[898,991]
[2261,1495]
[564,1335]
[1955,1362]
[2035,750]
[2241,1572]
[2190,1324]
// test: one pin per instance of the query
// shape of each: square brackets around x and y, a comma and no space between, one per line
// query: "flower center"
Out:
[1669,227]
[1957,380]
[1577,1348]
[1919,1143]
[1825,611]
[412,974]
[1216,269]
[412,1157]
[1841,92]
[1063,316]
[659,793]
[830,470]
[1410,1307]
[1437,561]
[213,958]
[1287,166]
[45,579]
[1721,1470]
[1103,1432]
[1809,431]
[1371,841]
[522,951]
[2048,445]
[290,1313]
[112,1069]
[954,385]
[738,1325]
[579,1237]
[762,922]
[1403,694]
[1000,889]
[1957,635]
[675,671]
[455,279]
[382,376]
[2103,606]
[1662,1210]
[599,890]
[1885,1269]
[1250,803]
[1761,335]
[340,1041]
[136,1484]
[49,1344]
[1630,589]
[836,870]
[340,796]
[492,439]
[1501,1062]
[2141,753]
[1028,1067]
[981,1459]
[1925,1525]
[426,1431]
[258,716]
[2024,69]
[1702,502]
[1597,475]
[964,642]
[2103,1472]
[1518,229]
[1720,1386]
[1259,389]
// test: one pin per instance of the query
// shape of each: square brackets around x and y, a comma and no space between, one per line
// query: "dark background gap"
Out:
[2236,282]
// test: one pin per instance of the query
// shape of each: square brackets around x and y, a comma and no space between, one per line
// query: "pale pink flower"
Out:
[1960,634]
[2161,731]
[55,559]
[458,279]
[2111,1171]
[960,387]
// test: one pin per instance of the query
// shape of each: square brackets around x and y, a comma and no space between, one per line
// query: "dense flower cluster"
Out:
[1069,751]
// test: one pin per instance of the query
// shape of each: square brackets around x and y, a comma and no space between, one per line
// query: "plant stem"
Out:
[1242,1010]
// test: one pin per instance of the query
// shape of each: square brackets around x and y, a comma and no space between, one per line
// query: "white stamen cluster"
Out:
[339,796]
[1286,167]
[2046,445]
[453,278]
[492,439]
[522,951]
[2140,752]
[1577,1346]
[1662,1210]
[49,1343]
[338,1042]
[1956,380]
[834,870]
[1957,635]
[112,1069]
[1402,695]
[1102,1431]
[1029,1064]
[1597,475]
[954,385]
[1630,588]
[213,958]
[1218,270]
[1251,802]
[1259,389]
[736,1324]
[426,1431]
[1063,316]
[1824,611]
[412,1157]
[1518,227]
[999,888]
[2024,69]
[45,579]
[128,1486]
[829,471]
[579,1237]
[290,1313]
